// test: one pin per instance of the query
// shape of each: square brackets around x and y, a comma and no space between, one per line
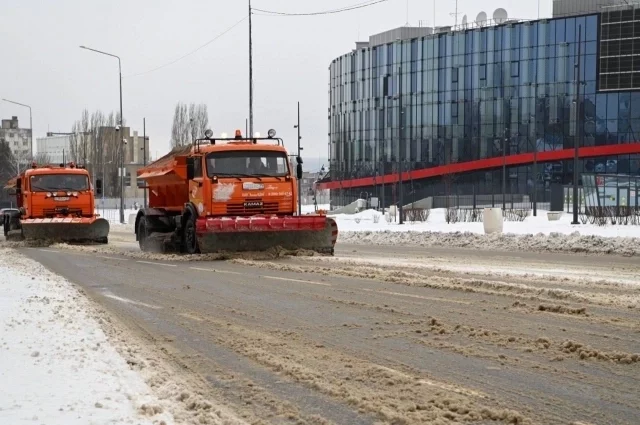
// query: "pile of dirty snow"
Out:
[554,242]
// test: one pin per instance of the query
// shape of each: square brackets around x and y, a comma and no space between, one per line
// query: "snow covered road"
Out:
[378,335]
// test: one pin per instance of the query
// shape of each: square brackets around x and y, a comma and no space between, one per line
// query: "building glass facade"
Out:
[465,102]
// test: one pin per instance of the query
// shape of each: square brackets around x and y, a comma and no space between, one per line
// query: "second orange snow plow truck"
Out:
[55,203]
[228,195]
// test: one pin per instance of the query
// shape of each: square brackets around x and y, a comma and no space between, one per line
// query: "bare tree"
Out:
[201,121]
[180,129]
[189,123]
[193,124]
[42,158]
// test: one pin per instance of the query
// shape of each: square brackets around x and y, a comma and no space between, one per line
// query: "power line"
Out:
[325,12]
[192,52]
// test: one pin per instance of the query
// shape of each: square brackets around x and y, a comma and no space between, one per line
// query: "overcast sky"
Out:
[43,66]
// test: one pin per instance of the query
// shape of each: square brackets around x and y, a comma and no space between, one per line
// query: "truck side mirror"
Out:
[299,171]
[98,186]
[191,165]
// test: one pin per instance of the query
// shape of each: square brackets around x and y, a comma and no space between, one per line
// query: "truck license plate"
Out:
[61,198]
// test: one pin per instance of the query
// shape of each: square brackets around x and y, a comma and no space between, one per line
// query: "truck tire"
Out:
[189,240]
[5,225]
[143,234]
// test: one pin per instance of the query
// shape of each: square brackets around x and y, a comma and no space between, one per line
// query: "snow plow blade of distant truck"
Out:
[260,233]
[79,230]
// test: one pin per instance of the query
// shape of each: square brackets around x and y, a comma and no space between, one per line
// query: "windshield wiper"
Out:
[268,175]
[45,189]
[238,175]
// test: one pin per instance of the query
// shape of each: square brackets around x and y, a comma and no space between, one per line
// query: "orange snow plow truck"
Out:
[228,195]
[55,203]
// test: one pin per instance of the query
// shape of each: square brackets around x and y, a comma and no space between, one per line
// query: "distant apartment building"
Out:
[56,149]
[17,138]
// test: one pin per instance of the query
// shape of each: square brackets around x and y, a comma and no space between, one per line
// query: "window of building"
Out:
[515,68]
[483,72]
[619,49]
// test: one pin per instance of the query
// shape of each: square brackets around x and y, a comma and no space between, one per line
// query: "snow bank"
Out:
[555,242]
[364,222]
[58,366]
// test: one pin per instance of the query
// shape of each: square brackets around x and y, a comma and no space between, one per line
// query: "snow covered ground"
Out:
[57,365]
[364,222]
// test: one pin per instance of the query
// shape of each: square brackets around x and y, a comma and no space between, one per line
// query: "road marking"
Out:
[48,250]
[112,258]
[285,279]
[266,277]
[420,297]
[431,383]
[215,270]
[192,317]
[157,264]
[128,301]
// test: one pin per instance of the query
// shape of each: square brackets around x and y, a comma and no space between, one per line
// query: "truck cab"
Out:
[56,203]
[242,179]
[49,192]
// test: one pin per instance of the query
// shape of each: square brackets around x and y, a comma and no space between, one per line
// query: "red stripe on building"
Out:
[486,164]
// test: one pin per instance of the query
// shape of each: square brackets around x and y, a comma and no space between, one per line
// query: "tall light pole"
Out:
[30,123]
[576,144]
[144,154]
[250,74]
[401,118]
[121,126]
[299,149]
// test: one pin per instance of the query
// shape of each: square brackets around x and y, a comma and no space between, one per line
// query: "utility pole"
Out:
[402,131]
[144,157]
[299,149]
[576,149]
[250,75]
[504,171]
[535,149]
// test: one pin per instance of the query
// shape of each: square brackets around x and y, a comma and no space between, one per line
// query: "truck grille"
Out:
[53,212]
[252,206]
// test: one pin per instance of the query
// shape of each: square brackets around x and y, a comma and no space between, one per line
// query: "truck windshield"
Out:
[247,163]
[53,182]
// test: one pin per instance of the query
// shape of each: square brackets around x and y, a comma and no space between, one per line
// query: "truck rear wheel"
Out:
[189,239]
[143,234]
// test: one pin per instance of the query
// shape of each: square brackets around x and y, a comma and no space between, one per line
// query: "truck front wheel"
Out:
[189,240]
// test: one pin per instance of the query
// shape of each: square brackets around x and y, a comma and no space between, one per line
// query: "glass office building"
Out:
[443,105]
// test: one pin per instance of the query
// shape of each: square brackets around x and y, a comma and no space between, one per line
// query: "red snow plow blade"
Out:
[66,229]
[259,233]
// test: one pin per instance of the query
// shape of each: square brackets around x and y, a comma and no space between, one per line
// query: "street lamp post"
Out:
[576,144]
[30,123]
[144,154]
[121,126]
[299,149]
